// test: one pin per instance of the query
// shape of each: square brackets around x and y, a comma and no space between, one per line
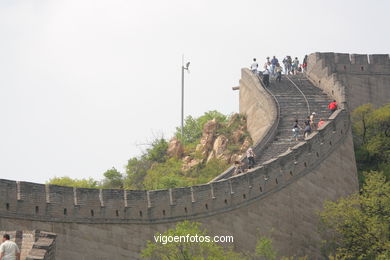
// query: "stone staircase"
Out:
[297,99]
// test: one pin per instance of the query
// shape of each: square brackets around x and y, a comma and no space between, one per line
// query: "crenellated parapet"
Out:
[54,203]
[352,79]
[283,194]
[352,63]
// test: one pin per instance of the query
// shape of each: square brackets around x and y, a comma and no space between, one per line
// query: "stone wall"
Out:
[107,224]
[299,181]
[353,79]
[257,104]
[34,245]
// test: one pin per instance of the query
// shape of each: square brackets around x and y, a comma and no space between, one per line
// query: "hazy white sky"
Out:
[83,82]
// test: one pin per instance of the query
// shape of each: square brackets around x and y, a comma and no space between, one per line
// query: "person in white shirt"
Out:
[9,250]
[266,76]
[254,66]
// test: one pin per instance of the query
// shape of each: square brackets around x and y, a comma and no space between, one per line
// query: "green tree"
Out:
[79,183]
[113,179]
[358,227]
[158,151]
[192,130]
[165,175]
[371,131]
[136,170]
[185,250]
[207,171]
[360,119]
[264,248]
[193,127]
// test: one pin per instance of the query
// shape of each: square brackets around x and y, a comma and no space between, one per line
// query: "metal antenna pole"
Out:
[182,98]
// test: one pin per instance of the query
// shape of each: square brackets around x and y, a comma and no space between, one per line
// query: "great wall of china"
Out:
[278,198]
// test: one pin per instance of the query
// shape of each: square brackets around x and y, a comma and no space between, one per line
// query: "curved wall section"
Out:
[257,104]
[53,203]
[297,184]
[120,221]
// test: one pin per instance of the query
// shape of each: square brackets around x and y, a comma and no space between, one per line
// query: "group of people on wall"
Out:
[309,125]
[272,69]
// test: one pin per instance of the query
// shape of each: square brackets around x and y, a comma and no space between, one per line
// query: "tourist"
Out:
[268,62]
[274,61]
[304,63]
[295,65]
[9,250]
[254,66]
[285,64]
[251,158]
[266,76]
[312,124]
[295,130]
[332,106]
[287,67]
[278,71]
[307,129]
[320,123]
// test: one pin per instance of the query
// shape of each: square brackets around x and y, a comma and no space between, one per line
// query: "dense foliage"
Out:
[78,183]
[192,130]
[358,227]
[371,131]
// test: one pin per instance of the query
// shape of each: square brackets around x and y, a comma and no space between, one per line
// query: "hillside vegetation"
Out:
[371,137]
[209,145]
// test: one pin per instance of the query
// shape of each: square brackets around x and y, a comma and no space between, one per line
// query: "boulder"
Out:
[236,136]
[175,148]
[235,157]
[220,150]
[208,136]
[189,162]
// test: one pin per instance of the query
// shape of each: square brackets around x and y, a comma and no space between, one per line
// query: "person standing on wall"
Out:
[254,66]
[295,66]
[332,107]
[267,63]
[312,123]
[274,61]
[251,158]
[295,130]
[307,129]
[266,76]
[286,66]
[9,250]
[304,63]
[278,71]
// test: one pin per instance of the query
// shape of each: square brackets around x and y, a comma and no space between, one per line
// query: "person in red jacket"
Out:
[332,106]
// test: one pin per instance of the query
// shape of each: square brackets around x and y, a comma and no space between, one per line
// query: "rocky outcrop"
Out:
[237,135]
[175,148]
[189,162]
[228,147]
[235,157]
[220,150]
[208,136]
